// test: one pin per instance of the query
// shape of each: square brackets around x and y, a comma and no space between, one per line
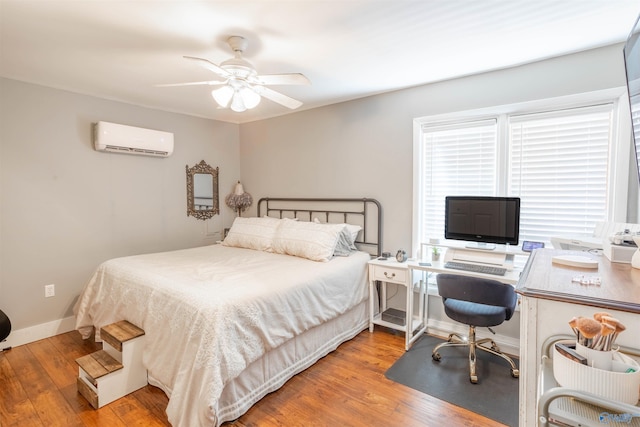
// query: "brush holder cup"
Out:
[596,358]
[620,384]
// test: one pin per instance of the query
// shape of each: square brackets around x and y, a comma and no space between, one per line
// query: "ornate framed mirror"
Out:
[202,191]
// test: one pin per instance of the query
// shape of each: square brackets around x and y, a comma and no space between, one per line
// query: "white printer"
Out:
[620,247]
[614,239]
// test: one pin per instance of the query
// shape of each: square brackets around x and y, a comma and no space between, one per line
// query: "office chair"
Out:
[476,302]
[5,326]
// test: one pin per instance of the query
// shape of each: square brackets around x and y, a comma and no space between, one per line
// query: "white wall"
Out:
[65,207]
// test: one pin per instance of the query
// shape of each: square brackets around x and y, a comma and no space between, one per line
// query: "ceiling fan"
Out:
[241,87]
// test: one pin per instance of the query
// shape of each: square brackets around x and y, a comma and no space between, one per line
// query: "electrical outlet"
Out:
[49,291]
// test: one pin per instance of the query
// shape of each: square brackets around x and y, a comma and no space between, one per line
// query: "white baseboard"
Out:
[39,332]
[441,328]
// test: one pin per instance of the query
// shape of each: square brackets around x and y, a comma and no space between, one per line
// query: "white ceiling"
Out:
[349,49]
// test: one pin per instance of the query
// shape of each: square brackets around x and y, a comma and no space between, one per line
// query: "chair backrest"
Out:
[478,290]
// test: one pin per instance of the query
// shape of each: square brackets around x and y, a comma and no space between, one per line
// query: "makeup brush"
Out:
[610,320]
[601,342]
[573,323]
[588,328]
[598,316]
[619,327]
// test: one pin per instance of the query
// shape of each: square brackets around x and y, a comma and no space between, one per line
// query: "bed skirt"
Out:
[270,372]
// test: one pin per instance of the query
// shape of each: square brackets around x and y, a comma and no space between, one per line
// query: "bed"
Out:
[228,323]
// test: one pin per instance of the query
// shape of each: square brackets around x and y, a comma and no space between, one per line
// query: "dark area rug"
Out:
[495,395]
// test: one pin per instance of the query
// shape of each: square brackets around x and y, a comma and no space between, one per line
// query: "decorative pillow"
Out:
[346,242]
[310,240]
[252,233]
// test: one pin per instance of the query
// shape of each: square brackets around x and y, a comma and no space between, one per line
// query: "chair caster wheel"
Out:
[515,373]
[473,379]
[436,356]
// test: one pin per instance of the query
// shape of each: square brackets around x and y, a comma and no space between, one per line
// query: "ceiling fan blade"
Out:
[284,79]
[208,82]
[209,66]
[277,97]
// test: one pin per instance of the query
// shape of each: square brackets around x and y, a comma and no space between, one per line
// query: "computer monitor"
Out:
[484,221]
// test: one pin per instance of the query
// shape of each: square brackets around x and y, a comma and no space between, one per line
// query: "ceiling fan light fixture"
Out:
[249,97]
[237,103]
[239,99]
[223,95]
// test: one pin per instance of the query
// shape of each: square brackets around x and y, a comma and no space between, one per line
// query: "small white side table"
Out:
[411,323]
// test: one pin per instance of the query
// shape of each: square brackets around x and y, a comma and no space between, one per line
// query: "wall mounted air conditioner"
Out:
[117,138]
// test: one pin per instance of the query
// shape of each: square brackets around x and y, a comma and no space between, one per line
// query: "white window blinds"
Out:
[457,159]
[559,168]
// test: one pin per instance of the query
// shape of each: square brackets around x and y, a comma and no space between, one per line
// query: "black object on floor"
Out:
[495,395]
[5,326]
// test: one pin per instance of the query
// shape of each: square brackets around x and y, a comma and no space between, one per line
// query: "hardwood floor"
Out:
[345,388]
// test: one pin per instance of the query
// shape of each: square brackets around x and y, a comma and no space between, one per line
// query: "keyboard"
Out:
[486,269]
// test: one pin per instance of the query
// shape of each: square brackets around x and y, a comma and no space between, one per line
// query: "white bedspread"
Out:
[209,312]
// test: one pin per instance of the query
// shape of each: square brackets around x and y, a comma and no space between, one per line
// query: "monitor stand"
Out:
[481,246]
[473,256]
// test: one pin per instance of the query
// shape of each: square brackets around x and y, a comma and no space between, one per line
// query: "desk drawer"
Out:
[388,274]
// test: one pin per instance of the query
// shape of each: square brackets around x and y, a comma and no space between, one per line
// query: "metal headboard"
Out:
[364,212]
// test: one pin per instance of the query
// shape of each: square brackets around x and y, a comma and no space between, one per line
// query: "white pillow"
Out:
[353,234]
[252,233]
[346,242]
[313,241]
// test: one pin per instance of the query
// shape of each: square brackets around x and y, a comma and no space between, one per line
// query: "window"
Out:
[557,161]
[457,159]
[559,168]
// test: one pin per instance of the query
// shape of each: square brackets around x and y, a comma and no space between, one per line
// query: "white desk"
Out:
[391,271]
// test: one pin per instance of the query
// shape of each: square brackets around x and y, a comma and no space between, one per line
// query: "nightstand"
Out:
[391,271]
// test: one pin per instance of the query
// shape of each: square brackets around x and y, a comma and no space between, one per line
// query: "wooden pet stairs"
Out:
[116,370]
